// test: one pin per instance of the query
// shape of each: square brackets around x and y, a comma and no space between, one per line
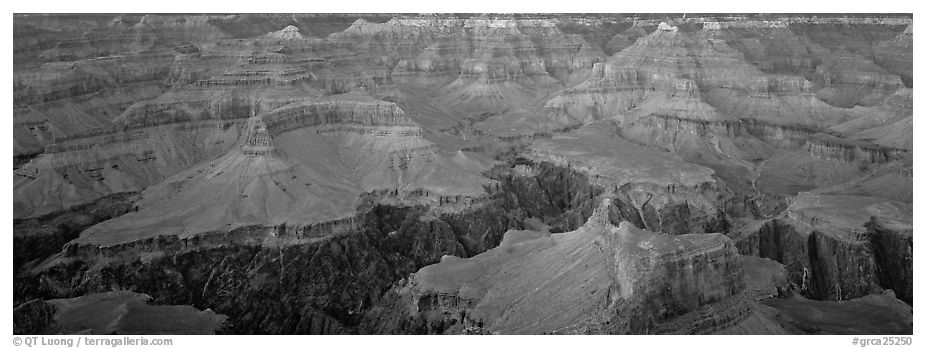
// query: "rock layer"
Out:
[598,278]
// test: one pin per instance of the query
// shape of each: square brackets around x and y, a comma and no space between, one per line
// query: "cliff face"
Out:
[41,237]
[827,249]
[290,171]
[85,168]
[112,313]
[359,257]
[275,280]
[599,278]
[892,246]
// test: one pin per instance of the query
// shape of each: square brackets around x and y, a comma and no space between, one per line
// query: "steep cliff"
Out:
[829,253]
[599,278]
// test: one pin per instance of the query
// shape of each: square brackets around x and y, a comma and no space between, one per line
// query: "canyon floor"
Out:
[463,174]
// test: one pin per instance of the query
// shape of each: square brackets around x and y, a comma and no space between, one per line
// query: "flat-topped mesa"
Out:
[353,109]
[599,278]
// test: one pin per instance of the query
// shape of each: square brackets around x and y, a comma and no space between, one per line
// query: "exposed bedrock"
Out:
[832,148]
[655,190]
[841,77]
[238,272]
[159,139]
[672,209]
[35,317]
[37,125]
[431,52]
[895,55]
[828,251]
[599,278]
[292,180]
[113,160]
[840,269]
[560,197]
[347,109]
[623,39]
[40,34]
[62,81]
[706,75]
[111,313]
[604,95]
[121,37]
[823,267]
[76,94]
[38,238]
[892,245]
[320,284]
[763,156]
[875,314]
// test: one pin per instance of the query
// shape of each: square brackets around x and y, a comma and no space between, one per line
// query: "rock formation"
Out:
[111,313]
[533,173]
[599,278]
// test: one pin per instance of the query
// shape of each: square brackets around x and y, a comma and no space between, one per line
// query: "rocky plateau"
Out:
[462,174]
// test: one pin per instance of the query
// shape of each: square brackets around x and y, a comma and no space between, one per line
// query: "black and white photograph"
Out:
[396,173]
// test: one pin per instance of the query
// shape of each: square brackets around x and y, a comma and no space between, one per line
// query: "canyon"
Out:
[463,174]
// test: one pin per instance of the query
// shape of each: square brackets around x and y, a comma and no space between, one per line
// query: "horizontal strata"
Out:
[820,143]
[360,113]
[831,248]
[599,278]
[116,312]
